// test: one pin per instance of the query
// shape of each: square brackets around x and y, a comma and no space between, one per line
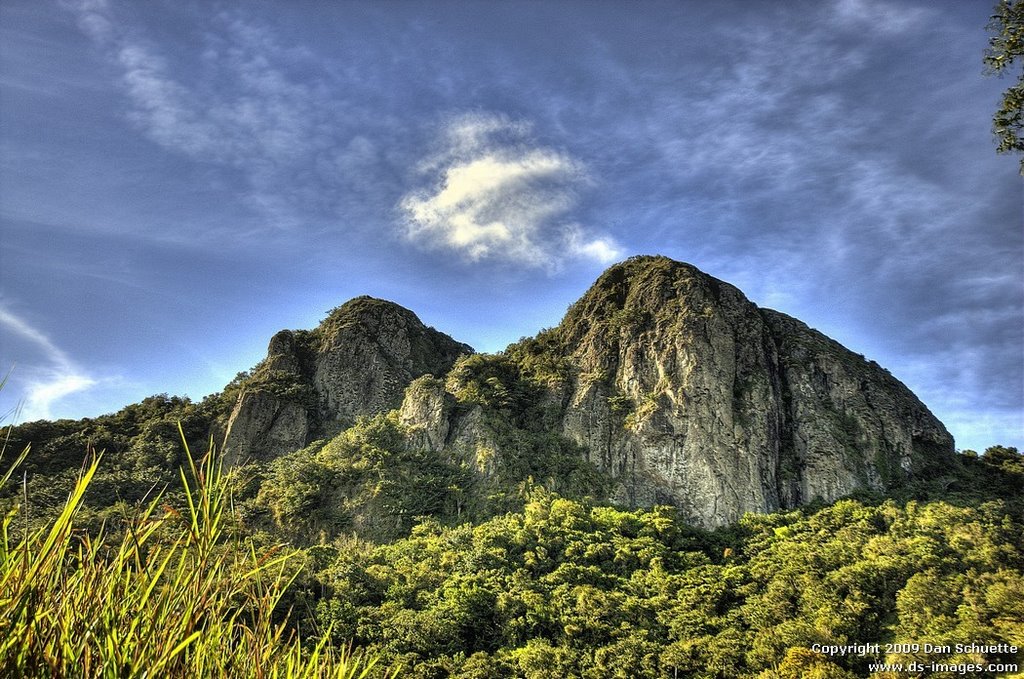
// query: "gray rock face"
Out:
[314,383]
[435,423]
[849,423]
[368,353]
[263,426]
[691,362]
[686,393]
[427,410]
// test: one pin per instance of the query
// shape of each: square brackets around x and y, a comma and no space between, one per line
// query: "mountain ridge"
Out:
[667,380]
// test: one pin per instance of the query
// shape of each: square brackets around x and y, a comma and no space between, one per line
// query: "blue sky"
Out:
[180,180]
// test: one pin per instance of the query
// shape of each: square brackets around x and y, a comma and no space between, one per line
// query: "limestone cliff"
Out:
[684,392]
[315,383]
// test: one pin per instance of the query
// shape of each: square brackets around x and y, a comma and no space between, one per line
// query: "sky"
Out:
[179,180]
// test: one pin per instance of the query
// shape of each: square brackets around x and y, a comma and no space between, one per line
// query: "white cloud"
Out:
[20,327]
[469,133]
[500,196]
[50,388]
[161,106]
[44,385]
[93,19]
[604,250]
[262,115]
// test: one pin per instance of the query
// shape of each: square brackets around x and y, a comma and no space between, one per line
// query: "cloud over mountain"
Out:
[498,194]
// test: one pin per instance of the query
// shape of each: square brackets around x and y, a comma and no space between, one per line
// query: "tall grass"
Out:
[171,597]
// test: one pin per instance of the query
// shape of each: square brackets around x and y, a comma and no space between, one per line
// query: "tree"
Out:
[1005,458]
[1005,45]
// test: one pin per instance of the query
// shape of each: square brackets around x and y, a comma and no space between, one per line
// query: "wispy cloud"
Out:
[44,385]
[781,159]
[497,194]
[243,101]
[879,16]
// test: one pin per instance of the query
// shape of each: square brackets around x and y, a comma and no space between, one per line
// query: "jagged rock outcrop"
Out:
[264,425]
[685,392]
[427,410]
[692,362]
[369,351]
[435,420]
[315,383]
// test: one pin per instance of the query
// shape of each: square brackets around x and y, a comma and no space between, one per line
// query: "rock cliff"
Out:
[684,392]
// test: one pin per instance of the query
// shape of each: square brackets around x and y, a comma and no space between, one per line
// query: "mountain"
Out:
[448,511]
[312,384]
[669,382]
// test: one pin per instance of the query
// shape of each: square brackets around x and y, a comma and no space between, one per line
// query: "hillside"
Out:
[683,392]
[672,482]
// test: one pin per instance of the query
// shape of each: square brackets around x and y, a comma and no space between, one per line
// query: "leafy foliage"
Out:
[511,392]
[1006,45]
[566,589]
[542,359]
[367,480]
[142,450]
[492,381]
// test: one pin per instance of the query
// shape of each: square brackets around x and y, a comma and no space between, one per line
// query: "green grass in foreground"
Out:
[172,597]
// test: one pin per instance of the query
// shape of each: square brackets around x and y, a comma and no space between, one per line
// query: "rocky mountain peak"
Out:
[358,361]
[685,392]
[365,314]
[639,294]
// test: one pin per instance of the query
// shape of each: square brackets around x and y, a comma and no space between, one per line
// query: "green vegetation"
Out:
[518,417]
[142,451]
[284,385]
[469,563]
[365,480]
[542,359]
[567,589]
[176,595]
[492,381]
